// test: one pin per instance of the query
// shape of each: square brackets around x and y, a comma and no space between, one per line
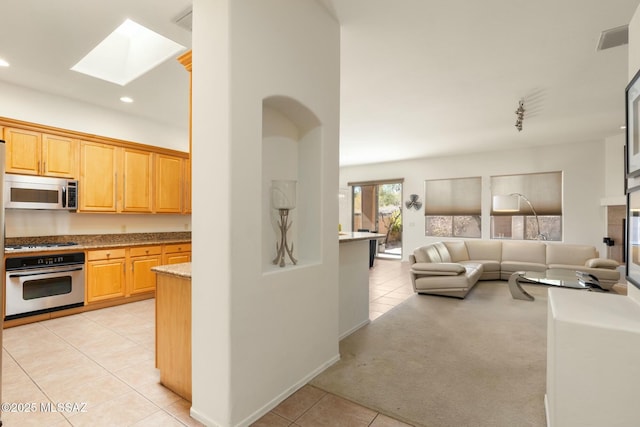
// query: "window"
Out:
[536,206]
[453,207]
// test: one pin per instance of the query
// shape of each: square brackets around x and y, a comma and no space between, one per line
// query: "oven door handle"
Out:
[44,272]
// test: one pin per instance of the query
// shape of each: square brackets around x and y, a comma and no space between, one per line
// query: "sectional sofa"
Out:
[453,268]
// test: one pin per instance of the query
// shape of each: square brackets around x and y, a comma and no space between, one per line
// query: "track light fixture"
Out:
[520,115]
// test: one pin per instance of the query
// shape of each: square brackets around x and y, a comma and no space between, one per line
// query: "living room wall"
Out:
[584,171]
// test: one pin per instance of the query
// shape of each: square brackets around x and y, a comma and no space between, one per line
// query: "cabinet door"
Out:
[176,253]
[137,190]
[59,156]
[169,178]
[187,186]
[105,279]
[98,181]
[177,258]
[23,151]
[142,278]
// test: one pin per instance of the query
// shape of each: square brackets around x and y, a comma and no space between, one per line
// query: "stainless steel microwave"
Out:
[40,192]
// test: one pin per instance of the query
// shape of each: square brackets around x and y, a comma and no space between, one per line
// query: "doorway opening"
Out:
[377,207]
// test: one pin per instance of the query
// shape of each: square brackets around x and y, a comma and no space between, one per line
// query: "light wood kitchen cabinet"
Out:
[169,183]
[176,254]
[98,177]
[173,333]
[186,60]
[105,275]
[187,186]
[137,174]
[141,260]
[35,153]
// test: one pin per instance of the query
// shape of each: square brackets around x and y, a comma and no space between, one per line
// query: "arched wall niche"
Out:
[291,150]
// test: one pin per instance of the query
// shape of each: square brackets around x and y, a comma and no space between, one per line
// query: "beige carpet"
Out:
[437,361]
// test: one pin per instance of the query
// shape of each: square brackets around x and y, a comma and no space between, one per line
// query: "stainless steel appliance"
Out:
[40,192]
[43,283]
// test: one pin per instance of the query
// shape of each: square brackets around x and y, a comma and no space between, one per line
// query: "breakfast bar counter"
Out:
[354,280]
[173,327]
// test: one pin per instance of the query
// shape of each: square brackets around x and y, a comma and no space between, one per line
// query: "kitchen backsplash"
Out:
[26,223]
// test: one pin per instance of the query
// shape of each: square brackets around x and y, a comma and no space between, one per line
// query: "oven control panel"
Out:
[26,262]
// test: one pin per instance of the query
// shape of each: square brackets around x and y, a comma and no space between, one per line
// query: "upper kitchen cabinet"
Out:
[137,174]
[98,177]
[187,185]
[186,60]
[169,184]
[35,153]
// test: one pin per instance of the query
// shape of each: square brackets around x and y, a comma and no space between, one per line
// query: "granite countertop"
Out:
[350,236]
[180,270]
[96,241]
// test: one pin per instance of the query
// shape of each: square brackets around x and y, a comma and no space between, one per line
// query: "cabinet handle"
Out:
[44,167]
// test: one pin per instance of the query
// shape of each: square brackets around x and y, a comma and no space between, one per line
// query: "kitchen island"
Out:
[173,327]
[354,280]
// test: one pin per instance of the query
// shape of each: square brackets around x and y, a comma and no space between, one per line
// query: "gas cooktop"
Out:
[39,246]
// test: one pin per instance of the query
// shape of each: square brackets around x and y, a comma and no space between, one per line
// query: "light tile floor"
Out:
[100,366]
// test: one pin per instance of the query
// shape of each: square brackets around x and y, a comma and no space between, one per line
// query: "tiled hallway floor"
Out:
[101,365]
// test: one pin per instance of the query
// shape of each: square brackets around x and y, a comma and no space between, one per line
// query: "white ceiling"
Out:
[419,77]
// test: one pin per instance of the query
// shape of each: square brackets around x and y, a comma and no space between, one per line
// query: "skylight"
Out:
[127,53]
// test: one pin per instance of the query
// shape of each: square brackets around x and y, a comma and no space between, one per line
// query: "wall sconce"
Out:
[511,203]
[413,202]
[283,198]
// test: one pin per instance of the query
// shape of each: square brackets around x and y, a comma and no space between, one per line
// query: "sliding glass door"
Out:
[377,207]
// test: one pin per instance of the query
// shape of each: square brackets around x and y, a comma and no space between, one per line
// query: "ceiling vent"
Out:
[184,19]
[613,37]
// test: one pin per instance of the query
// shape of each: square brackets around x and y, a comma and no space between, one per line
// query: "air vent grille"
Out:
[184,19]
[613,37]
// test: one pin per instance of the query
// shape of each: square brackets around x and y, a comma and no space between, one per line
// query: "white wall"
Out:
[24,104]
[634,66]
[29,223]
[614,167]
[583,174]
[259,335]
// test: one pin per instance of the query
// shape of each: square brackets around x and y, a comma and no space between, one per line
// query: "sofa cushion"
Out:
[529,252]
[562,253]
[601,263]
[438,268]
[420,254]
[457,251]
[484,249]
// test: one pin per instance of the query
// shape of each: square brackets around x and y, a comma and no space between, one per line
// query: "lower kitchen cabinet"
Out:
[106,277]
[176,254]
[121,273]
[141,259]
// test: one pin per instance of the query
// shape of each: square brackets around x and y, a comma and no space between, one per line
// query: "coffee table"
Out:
[559,277]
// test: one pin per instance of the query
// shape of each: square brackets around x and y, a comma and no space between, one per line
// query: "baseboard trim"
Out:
[546,409]
[203,419]
[288,392]
[352,330]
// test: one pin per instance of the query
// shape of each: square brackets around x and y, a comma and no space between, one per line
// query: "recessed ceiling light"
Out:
[3,63]
[126,99]
[127,53]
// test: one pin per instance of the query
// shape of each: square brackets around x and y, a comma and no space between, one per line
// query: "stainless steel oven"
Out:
[43,283]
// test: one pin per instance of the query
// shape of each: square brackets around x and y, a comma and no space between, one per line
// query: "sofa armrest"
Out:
[437,269]
[602,263]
